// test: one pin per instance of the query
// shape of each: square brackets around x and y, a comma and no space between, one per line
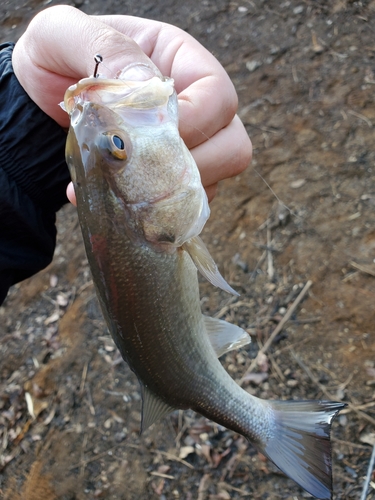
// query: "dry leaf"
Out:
[368,438]
[53,318]
[256,378]
[185,451]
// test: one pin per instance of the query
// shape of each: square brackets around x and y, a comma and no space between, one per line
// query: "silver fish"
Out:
[141,207]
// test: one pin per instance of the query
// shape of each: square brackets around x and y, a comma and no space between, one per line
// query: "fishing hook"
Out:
[98,59]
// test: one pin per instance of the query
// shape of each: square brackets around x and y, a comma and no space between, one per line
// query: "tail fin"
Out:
[300,444]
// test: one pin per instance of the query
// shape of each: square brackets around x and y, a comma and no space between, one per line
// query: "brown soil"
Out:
[305,75]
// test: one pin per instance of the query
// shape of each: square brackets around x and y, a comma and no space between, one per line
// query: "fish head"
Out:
[124,133]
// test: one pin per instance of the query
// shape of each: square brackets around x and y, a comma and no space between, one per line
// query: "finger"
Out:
[211,192]
[226,154]
[48,49]
[207,98]
[71,194]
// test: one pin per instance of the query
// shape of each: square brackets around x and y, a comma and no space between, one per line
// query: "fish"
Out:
[141,207]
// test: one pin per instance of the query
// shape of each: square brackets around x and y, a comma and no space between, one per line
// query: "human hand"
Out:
[58,49]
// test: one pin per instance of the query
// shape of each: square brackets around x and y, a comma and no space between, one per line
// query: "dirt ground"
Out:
[304,211]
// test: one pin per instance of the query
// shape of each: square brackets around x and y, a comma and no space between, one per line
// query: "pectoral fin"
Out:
[206,264]
[153,408]
[225,337]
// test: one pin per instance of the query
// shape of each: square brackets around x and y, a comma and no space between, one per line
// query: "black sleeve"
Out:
[33,179]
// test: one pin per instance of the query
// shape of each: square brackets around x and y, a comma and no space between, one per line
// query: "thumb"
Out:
[58,48]
[71,194]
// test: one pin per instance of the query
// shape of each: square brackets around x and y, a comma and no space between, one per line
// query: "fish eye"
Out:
[115,145]
[118,142]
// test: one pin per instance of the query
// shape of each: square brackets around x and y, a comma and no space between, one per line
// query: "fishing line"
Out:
[255,170]
[275,195]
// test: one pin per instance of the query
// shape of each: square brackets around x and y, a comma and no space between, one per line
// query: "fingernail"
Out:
[139,72]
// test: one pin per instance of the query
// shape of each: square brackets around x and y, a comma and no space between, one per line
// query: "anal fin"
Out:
[206,264]
[153,408]
[224,336]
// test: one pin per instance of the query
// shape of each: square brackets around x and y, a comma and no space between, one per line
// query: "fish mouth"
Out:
[125,90]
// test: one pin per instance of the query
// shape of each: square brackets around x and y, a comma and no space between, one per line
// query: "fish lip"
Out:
[76,115]
[116,91]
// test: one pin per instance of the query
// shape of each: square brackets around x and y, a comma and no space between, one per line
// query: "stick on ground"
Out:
[369,474]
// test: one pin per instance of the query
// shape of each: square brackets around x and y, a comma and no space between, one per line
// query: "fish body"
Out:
[141,207]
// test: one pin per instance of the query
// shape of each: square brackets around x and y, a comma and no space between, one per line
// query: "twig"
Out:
[83,378]
[96,457]
[258,264]
[270,268]
[225,309]
[369,474]
[276,367]
[170,456]
[361,117]
[182,428]
[238,490]
[359,407]
[363,269]
[278,328]
[350,407]
[159,474]
[348,443]
[310,374]
[90,401]
[306,321]
[288,347]
[83,464]
[203,486]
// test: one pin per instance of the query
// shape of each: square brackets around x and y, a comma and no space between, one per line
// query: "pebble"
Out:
[298,10]
[292,382]
[343,420]
[253,65]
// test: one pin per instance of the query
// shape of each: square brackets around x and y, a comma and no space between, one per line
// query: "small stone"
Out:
[203,437]
[298,10]
[343,420]
[108,423]
[297,183]
[62,300]
[253,65]
[292,382]
[53,280]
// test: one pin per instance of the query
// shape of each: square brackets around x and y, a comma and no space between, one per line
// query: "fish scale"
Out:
[141,211]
